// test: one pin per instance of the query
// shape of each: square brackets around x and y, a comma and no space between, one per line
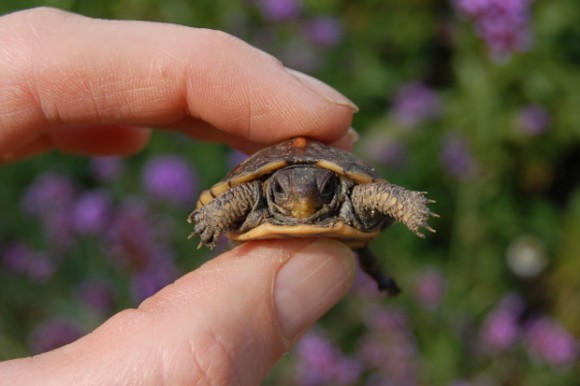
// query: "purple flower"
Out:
[456,158]
[158,273]
[321,363]
[415,103]
[16,257]
[132,236]
[430,288]
[136,242]
[40,268]
[387,151]
[549,342]
[50,192]
[170,178]
[501,328]
[37,266]
[106,169]
[373,352]
[53,334]
[51,197]
[301,56]
[280,10]
[386,319]
[92,212]
[389,347]
[533,120]
[324,31]
[503,24]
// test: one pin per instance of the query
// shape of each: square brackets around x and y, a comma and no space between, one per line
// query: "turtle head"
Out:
[303,191]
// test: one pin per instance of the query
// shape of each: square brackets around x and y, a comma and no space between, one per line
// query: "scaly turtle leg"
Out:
[224,212]
[372,200]
[370,264]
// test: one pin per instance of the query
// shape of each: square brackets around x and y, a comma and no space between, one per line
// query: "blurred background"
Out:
[475,101]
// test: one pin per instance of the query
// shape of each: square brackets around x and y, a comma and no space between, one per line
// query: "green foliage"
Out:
[494,140]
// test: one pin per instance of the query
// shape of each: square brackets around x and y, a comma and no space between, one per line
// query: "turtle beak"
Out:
[304,207]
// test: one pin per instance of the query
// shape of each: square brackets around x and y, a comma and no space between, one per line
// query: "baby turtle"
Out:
[304,188]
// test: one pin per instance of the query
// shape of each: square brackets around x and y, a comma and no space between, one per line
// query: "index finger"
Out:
[60,69]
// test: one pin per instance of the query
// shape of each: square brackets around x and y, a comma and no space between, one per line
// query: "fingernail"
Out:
[323,89]
[347,141]
[310,283]
[353,135]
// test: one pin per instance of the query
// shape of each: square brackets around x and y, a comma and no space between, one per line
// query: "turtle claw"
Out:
[430,229]
[423,225]
[203,227]
[224,212]
[414,212]
[426,227]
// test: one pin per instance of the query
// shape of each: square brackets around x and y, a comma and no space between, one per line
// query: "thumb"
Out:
[226,323]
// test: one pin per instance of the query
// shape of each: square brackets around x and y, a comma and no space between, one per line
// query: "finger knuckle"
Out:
[211,361]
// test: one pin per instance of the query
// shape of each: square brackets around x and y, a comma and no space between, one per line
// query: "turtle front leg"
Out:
[224,212]
[385,199]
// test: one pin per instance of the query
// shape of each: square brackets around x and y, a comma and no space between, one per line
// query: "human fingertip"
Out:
[347,141]
[323,90]
[315,278]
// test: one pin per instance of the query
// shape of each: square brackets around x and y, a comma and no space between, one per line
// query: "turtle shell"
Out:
[294,151]
[298,151]
[354,238]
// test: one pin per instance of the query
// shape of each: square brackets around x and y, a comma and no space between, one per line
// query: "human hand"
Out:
[89,87]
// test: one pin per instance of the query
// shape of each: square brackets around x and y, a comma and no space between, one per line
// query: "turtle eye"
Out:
[328,188]
[277,188]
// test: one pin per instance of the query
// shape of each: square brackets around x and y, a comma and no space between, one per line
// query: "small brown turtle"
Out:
[304,188]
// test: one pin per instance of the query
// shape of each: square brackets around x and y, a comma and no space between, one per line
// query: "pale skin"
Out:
[92,87]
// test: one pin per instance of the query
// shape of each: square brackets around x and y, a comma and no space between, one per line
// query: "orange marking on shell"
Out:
[299,142]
